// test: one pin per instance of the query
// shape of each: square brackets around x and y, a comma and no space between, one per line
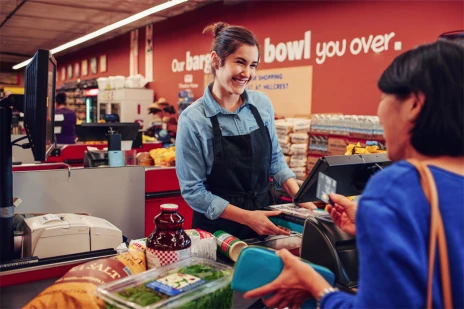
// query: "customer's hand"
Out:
[259,222]
[295,284]
[308,205]
[343,213]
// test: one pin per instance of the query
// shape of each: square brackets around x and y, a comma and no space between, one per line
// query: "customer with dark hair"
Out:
[68,127]
[227,148]
[422,112]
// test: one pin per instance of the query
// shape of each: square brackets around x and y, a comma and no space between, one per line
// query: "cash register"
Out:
[119,135]
[323,243]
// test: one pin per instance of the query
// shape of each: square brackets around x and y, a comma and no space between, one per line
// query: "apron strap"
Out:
[260,122]
[217,137]
[255,112]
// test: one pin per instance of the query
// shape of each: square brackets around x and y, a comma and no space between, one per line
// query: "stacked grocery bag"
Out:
[292,134]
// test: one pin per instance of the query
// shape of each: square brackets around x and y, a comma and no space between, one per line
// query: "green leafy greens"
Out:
[220,299]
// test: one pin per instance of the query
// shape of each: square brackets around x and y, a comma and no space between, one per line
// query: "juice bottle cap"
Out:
[169,207]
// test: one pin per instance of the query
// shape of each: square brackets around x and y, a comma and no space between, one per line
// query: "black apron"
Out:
[240,175]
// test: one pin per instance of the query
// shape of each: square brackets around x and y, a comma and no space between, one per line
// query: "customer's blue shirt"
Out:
[194,146]
[392,235]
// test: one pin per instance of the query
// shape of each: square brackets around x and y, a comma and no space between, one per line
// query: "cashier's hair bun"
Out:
[227,39]
[216,28]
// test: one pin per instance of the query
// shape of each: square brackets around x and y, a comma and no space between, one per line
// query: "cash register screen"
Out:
[350,172]
[99,131]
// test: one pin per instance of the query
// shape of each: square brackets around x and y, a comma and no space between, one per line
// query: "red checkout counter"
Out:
[162,187]
[73,155]
[161,184]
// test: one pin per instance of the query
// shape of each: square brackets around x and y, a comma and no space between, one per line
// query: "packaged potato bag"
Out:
[76,289]
[138,245]
[203,244]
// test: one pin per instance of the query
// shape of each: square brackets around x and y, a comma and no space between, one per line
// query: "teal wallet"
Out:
[257,266]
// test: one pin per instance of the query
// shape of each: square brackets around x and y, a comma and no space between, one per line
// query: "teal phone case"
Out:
[257,266]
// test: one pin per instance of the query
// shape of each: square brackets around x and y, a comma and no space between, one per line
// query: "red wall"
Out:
[117,55]
[345,84]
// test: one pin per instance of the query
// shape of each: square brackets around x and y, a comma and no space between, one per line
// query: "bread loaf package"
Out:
[76,289]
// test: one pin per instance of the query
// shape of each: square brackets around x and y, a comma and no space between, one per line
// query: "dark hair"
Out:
[437,70]
[227,39]
[60,98]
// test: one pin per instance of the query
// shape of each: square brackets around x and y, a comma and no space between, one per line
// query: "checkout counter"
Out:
[315,237]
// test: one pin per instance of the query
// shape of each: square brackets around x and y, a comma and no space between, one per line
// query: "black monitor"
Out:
[39,103]
[38,106]
[100,131]
[350,172]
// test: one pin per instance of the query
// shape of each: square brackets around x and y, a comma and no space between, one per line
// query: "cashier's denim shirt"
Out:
[194,147]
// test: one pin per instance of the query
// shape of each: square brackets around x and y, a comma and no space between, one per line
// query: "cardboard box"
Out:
[337,146]
[312,160]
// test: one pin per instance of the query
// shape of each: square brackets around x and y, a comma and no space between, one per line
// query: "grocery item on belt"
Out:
[229,245]
[138,245]
[168,243]
[190,283]
[203,244]
[76,289]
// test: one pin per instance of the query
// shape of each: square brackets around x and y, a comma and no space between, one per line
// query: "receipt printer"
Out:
[61,234]
[327,245]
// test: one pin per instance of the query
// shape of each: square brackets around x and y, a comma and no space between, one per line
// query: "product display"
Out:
[164,156]
[293,138]
[191,283]
[145,159]
[299,138]
[358,149]
[318,144]
[348,125]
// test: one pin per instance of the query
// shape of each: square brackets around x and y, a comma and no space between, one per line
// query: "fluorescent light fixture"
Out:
[121,23]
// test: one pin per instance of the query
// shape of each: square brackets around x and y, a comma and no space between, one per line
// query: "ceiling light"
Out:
[109,28]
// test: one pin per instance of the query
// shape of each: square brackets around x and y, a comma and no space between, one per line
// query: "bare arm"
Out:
[257,220]
[291,187]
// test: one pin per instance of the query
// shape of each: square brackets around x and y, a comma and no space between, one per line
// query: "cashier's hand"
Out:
[259,222]
[308,205]
[343,213]
[296,283]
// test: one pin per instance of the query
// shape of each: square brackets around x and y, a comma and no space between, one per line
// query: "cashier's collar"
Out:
[213,108]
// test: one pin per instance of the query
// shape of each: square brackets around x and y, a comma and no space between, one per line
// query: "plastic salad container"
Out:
[190,283]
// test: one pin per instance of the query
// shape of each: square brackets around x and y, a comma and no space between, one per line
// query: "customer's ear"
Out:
[417,101]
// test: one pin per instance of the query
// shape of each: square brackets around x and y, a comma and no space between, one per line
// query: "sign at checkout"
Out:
[290,89]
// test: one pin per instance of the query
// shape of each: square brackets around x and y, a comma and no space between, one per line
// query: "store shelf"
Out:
[351,135]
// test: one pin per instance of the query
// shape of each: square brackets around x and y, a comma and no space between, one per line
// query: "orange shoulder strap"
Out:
[437,234]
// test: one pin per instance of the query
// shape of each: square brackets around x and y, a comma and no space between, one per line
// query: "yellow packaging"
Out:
[76,289]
